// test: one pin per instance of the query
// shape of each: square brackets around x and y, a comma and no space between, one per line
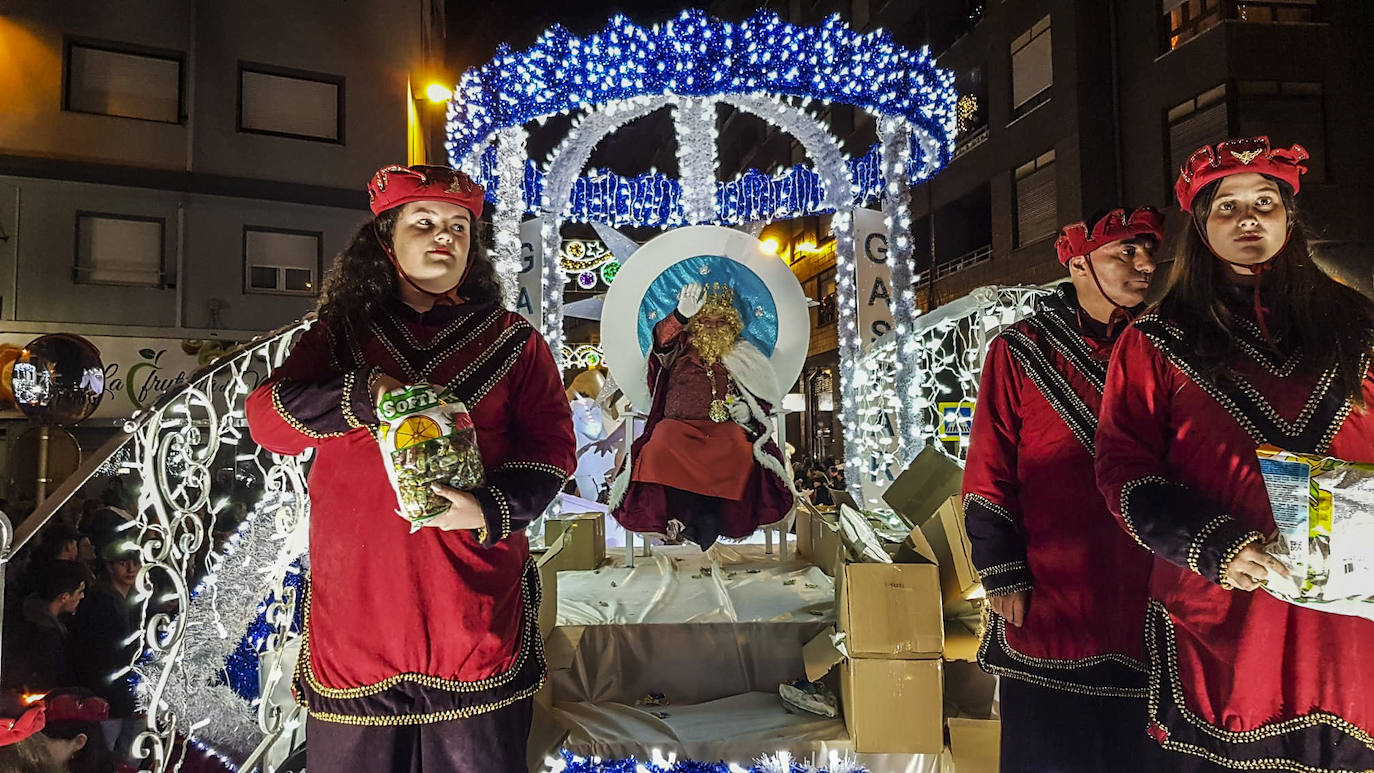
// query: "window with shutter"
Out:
[1199,121]
[289,103]
[280,261]
[1037,212]
[1032,68]
[1286,112]
[119,249]
[111,79]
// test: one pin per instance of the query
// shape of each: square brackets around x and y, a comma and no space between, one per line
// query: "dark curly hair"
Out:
[1328,322]
[362,277]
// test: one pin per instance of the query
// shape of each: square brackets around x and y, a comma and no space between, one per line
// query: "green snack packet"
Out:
[427,437]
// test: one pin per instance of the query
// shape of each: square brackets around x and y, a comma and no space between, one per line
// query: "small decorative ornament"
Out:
[586,280]
[1246,156]
[704,270]
[719,413]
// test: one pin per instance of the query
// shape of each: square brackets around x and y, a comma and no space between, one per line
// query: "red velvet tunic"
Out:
[1036,520]
[408,628]
[1242,679]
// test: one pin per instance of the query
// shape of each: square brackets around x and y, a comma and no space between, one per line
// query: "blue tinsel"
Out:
[574,764]
[241,667]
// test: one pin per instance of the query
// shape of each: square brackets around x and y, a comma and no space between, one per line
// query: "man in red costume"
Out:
[1066,586]
[706,465]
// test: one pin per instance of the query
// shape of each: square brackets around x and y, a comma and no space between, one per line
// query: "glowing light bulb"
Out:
[438,93]
[770,246]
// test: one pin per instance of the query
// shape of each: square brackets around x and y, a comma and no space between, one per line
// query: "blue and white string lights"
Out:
[694,56]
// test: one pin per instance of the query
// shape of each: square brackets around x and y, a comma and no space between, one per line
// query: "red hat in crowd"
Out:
[67,707]
[1075,239]
[16,729]
[395,185]
[1209,163]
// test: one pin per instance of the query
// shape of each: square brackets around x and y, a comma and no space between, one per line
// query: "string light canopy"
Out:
[692,66]
[695,55]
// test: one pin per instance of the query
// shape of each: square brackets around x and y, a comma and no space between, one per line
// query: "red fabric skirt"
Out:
[707,457]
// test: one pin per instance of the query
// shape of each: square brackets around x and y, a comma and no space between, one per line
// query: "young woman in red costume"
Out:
[421,651]
[1251,344]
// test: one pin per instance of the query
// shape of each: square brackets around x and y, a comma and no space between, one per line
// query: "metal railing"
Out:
[198,593]
[970,258]
[969,142]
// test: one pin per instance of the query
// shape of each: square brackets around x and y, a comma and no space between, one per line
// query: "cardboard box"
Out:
[892,610]
[889,706]
[927,482]
[976,744]
[818,540]
[962,639]
[587,548]
[553,559]
[959,581]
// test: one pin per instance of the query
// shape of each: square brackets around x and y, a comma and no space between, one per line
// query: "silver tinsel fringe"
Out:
[254,563]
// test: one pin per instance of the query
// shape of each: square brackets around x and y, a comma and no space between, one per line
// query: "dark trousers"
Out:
[699,513]
[1045,730]
[494,742]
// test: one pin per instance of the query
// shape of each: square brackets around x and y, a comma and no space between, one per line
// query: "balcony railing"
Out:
[970,141]
[971,258]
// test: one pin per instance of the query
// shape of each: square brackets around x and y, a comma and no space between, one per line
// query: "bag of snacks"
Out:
[427,437]
[1324,510]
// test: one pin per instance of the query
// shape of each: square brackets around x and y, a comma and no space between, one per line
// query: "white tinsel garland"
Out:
[254,564]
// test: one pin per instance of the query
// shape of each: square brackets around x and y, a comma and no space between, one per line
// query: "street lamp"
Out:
[438,93]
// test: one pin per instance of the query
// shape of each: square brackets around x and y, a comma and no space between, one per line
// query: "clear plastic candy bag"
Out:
[427,437]
[1324,510]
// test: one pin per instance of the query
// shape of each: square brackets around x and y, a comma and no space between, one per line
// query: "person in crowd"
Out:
[37,643]
[820,485]
[105,640]
[58,542]
[1251,344]
[23,749]
[1066,587]
[85,550]
[449,685]
[73,731]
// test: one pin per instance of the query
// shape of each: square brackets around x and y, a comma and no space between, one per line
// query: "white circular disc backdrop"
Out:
[620,315]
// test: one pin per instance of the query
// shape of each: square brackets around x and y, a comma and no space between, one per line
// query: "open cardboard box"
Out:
[587,546]
[960,585]
[818,539]
[556,558]
[975,744]
[889,706]
[924,485]
[892,610]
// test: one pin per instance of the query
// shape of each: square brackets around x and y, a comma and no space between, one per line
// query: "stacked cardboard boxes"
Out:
[888,645]
[907,627]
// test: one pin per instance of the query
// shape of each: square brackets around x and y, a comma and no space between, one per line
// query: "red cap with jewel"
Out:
[393,186]
[1075,239]
[1253,154]
[72,708]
